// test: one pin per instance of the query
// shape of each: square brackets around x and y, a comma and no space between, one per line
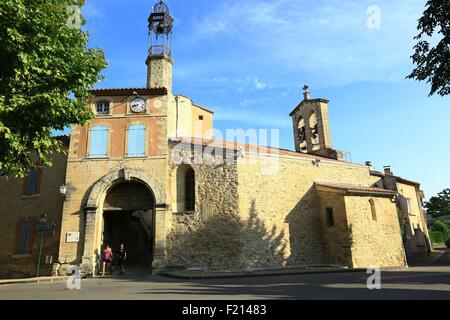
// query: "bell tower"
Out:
[311,127]
[159,60]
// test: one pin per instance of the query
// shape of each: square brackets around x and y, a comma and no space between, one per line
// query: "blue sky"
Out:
[248,60]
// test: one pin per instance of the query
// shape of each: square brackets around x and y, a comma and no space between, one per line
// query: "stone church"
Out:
[147,172]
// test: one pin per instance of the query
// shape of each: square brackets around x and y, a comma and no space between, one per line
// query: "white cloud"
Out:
[327,39]
[259,85]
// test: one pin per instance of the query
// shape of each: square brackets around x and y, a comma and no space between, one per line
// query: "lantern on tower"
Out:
[160,25]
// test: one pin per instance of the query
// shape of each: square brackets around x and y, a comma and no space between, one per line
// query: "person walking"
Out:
[107,258]
[122,257]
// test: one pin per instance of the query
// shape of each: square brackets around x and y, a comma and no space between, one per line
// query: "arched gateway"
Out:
[126,205]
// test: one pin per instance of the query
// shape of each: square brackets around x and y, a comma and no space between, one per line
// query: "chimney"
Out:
[306,93]
[369,164]
[387,170]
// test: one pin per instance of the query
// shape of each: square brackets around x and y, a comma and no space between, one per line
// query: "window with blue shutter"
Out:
[136,140]
[99,141]
[32,185]
[25,237]
[32,182]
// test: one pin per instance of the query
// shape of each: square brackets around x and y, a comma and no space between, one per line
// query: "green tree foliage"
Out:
[44,61]
[441,227]
[439,205]
[433,63]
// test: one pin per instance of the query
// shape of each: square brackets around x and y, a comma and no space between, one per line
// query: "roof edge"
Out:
[128,92]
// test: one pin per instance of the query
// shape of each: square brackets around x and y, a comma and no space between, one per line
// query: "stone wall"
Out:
[416,225]
[279,218]
[285,201]
[337,238]
[210,236]
[159,72]
[374,242]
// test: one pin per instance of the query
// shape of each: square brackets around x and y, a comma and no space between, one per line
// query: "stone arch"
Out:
[102,186]
[94,212]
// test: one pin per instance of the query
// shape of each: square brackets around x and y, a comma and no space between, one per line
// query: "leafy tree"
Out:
[433,63]
[441,227]
[439,205]
[44,61]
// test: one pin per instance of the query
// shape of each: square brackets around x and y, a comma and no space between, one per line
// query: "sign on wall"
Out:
[72,237]
[44,229]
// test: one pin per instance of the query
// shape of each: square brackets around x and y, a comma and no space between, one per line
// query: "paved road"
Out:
[415,283]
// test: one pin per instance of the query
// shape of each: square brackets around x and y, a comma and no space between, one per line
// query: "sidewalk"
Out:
[203,274]
[421,260]
[32,280]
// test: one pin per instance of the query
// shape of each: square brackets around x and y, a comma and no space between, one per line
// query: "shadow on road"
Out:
[395,285]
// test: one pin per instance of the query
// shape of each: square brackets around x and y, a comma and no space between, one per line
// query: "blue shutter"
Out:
[24,237]
[99,141]
[136,140]
[32,182]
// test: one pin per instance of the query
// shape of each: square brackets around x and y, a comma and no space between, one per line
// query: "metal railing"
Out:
[160,50]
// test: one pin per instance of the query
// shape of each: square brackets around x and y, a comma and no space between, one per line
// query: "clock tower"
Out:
[159,60]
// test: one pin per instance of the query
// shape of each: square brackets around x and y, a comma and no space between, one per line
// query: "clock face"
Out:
[138,105]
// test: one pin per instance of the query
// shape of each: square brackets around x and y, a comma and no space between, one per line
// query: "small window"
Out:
[373,209]
[200,118]
[136,140]
[330,217]
[102,107]
[99,141]
[32,182]
[24,237]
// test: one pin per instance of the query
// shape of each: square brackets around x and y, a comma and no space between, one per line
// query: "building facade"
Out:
[147,172]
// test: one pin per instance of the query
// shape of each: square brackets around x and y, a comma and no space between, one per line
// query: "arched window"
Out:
[189,190]
[102,107]
[99,141]
[302,135]
[136,140]
[373,209]
[315,138]
[185,189]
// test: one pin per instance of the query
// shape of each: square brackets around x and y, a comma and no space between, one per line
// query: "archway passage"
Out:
[128,218]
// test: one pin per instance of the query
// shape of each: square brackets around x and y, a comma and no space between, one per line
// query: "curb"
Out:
[255,275]
[32,280]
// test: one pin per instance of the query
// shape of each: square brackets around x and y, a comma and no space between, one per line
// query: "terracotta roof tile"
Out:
[355,188]
[129,92]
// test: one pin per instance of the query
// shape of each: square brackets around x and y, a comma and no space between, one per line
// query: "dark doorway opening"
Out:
[128,219]
[122,227]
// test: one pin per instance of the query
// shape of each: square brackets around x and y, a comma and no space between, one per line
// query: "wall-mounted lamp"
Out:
[64,191]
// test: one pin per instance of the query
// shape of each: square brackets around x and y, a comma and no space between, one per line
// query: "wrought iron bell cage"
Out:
[160,25]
